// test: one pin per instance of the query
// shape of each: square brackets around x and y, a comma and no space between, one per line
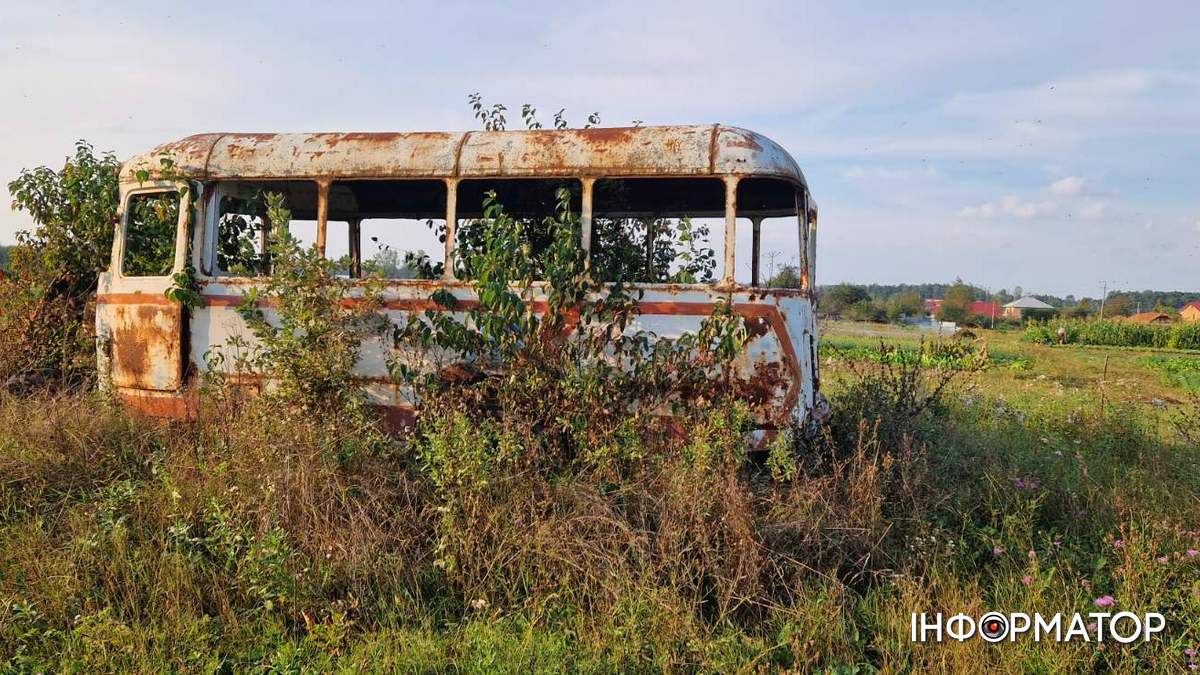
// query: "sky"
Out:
[1051,146]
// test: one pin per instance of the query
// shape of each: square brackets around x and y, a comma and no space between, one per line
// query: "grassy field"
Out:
[1049,480]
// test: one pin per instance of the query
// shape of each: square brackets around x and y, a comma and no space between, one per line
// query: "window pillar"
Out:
[451,227]
[755,250]
[585,235]
[731,183]
[355,232]
[322,215]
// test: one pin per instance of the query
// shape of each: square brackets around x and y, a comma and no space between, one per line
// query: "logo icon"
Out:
[993,626]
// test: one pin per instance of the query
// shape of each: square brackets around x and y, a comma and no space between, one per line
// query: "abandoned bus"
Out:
[192,203]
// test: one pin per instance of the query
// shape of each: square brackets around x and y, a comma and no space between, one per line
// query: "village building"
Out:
[1190,311]
[1150,317]
[1023,306]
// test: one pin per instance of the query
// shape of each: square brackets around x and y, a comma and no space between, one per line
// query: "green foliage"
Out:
[46,320]
[788,277]
[1118,334]
[836,299]
[309,351]
[942,354]
[74,210]
[1118,304]
[904,304]
[864,310]
[899,391]
[956,305]
[1181,371]
[513,355]
[150,234]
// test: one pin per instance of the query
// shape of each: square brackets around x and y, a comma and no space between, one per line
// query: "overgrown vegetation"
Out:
[46,296]
[254,538]
[1178,370]
[1117,334]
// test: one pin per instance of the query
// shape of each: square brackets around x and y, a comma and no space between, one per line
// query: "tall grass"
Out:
[256,538]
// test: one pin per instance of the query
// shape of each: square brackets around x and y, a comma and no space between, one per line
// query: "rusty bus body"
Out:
[152,349]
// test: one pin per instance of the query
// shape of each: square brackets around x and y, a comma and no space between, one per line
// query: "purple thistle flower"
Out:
[1105,601]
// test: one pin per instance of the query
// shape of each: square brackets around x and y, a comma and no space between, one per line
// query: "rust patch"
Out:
[762,388]
[146,344]
[743,140]
[131,356]
[757,326]
[169,407]
[608,135]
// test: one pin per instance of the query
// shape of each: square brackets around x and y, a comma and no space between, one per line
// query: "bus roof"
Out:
[712,150]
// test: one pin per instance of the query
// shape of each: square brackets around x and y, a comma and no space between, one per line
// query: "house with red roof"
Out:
[1190,311]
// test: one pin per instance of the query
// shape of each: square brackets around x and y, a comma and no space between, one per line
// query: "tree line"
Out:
[894,302]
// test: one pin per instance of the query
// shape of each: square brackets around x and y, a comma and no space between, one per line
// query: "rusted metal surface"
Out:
[149,343]
[144,340]
[600,152]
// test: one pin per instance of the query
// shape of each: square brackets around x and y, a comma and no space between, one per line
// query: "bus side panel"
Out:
[773,370]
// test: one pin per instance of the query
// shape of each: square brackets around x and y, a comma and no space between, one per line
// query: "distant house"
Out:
[1023,306]
[1149,317]
[981,308]
[1190,311]
[990,310]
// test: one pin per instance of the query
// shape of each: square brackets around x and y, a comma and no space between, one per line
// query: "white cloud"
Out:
[1069,186]
[985,210]
[1093,210]
[1010,205]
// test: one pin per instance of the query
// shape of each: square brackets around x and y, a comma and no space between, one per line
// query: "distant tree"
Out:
[1081,310]
[864,310]
[788,277]
[1118,305]
[956,306]
[1017,292]
[904,304]
[835,299]
[1166,309]
[5,254]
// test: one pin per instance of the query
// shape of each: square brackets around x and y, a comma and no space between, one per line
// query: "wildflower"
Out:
[1105,601]
[1119,543]
[1027,580]
[1058,452]
[479,603]
[1192,553]
[997,551]
[1189,652]
[1162,560]
[1032,554]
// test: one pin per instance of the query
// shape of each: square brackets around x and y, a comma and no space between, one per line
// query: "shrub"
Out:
[46,309]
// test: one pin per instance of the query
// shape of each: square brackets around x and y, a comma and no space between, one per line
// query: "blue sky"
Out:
[1045,145]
